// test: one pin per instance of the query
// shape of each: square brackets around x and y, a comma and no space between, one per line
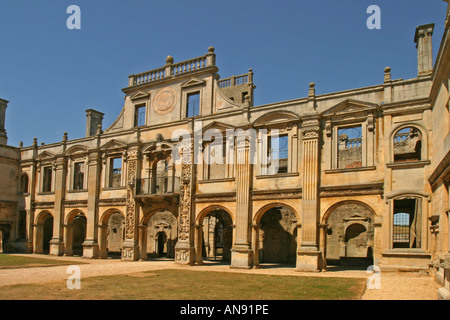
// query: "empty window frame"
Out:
[217,160]
[139,115]
[47,179]
[78,176]
[278,150]
[407,223]
[193,104]
[407,145]
[349,147]
[115,175]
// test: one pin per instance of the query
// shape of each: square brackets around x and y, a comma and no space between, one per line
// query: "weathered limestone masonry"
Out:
[363,174]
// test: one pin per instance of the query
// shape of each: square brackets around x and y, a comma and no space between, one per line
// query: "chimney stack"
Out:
[424,46]
[3,137]
[93,120]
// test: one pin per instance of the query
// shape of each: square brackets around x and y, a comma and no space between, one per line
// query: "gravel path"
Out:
[394,286]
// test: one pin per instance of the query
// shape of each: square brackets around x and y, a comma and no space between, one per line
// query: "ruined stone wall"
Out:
[350,232]
[350,158]
[278,236]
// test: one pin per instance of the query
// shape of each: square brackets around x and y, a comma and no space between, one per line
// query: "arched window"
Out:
[407,145]
[24,183]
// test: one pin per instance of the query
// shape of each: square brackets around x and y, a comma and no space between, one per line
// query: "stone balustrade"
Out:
[172,70]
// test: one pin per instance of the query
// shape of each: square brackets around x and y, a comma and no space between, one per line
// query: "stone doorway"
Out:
[161,244]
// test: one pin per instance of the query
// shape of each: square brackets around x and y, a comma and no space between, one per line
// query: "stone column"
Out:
[198,244]
[255,245]
[130,247]
[323,244]
[143,242]
[241,253]
[309,256]
[102,241]
[57,243]
[90,245]
[423,40]
[184,249]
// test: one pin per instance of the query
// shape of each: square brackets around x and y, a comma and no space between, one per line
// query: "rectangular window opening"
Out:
[406,224]
[78,176]
[139,116]
[47,181]
[193,105]
[278,150]
[116,173]
[349,147]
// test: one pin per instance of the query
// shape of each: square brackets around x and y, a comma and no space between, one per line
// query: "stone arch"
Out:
[154,222]
[276,233]
[214,234]
[75,234]
[423,154]
[257,217]
[43,232]
[112,224]
[350,236]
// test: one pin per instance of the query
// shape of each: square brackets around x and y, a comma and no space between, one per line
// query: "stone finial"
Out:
[387,74]
[35,143]
[211,49]
[312,90]
[169,60]
[21,144]
[64,137]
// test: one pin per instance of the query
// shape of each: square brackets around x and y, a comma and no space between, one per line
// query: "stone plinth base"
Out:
[130,251]
[56,247]
[309,260]
[184,253]
[241,258]
[90,249]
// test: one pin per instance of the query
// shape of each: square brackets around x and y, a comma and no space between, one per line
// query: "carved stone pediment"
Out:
[45,155]
[276,118]
[192,83]
[140,95]
[113,144]
[350,107]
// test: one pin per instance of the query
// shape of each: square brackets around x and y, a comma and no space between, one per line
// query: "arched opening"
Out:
[350,236]
[115,235]
[217,236]
[78,233]
[160,235]
[161,245]
[407,145]
[278,237]
[47,233]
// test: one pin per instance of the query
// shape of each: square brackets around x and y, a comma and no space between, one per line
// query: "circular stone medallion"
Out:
[164,100]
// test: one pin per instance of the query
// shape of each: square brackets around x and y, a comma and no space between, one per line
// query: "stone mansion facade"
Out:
[363,175]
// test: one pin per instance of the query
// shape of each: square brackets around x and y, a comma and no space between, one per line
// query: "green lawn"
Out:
[8,261]
[195,285]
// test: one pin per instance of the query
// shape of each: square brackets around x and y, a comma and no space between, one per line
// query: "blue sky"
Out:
[51,74]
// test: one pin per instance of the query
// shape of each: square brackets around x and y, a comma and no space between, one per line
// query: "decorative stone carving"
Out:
[164,101]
